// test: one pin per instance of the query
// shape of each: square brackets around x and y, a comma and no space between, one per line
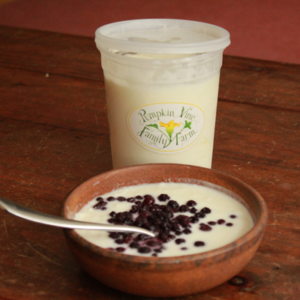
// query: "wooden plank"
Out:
[55,100]
[48,52]
[261,83]
[254,134]
[44,161]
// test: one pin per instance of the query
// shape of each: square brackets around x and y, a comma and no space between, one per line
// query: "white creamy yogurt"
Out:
[137,114]
[227,220]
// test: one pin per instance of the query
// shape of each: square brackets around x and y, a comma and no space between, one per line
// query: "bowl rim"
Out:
[253,234]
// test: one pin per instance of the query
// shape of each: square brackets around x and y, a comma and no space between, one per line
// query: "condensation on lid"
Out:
[162,36]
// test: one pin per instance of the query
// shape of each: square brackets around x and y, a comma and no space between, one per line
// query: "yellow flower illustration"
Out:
[169,127]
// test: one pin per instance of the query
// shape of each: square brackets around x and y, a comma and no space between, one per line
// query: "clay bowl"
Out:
[170,276]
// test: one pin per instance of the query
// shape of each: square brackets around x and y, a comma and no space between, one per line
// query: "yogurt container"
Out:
[161,82]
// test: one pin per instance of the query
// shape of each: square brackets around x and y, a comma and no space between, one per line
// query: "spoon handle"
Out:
[38,217]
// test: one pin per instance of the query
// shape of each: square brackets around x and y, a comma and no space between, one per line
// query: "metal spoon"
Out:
[35,216]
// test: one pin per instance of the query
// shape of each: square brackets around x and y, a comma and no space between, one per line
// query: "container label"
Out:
[166,127]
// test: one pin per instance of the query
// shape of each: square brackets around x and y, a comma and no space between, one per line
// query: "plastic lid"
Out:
[162,36]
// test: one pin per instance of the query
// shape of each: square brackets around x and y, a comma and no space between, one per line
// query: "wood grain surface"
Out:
[54,135]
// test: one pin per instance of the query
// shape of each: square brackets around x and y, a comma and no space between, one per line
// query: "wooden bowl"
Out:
[165,276]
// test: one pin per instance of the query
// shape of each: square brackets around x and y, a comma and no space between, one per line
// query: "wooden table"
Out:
[54,135]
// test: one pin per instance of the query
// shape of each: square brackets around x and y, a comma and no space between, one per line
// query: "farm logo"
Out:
[166,127]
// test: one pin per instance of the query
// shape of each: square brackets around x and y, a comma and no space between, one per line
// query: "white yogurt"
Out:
[222,206]
[132,108]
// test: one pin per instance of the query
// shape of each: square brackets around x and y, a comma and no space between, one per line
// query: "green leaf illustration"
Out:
[152,125]
[187,125]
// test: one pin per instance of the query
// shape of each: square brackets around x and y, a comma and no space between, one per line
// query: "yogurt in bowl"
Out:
[187,219]
[216,250]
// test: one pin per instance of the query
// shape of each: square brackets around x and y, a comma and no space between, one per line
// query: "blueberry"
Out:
[206,210]
[187,231]
[183,208]
[134,245]
[139,222]
[163,237]
[144,250]
[111,198]
[171,236]
[199,244]
[193,210]
[183,220]
[168,212]
[121,199]
[124,218]
[127,238]
[179,241]
[212,223]
[200,215]
[148,200]
[99,199]
[173,204]
[114,235]
[204,227]
[194,219]
[229,224]
[232,216]
[134,209]
[119,241]
[100,204]
[120,249]
[221,221]
[191,203]
[163,197]
[175,227]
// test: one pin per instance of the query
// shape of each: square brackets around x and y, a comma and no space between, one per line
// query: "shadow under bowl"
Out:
[165,276]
